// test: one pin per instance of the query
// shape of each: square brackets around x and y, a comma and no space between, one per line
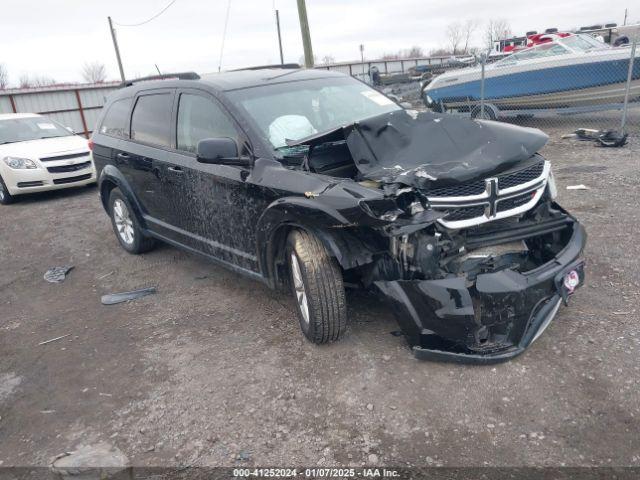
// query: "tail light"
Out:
[90,143]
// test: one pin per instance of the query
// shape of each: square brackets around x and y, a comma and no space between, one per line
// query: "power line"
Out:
[147,21]
[224,34]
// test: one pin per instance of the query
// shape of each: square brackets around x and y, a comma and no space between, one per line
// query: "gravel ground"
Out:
[214,371]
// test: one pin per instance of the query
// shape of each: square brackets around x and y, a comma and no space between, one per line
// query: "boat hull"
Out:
[541,86]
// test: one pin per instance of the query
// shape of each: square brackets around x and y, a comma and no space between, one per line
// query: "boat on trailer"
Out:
[575,71]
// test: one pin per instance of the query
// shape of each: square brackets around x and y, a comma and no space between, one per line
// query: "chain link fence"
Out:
[569,84]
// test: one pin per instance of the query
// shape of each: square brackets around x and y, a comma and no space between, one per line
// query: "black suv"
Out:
[311,180]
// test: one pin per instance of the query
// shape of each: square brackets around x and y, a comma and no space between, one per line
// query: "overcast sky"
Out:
[54,38]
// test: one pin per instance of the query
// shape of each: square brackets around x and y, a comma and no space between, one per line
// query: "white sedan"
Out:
[37,154]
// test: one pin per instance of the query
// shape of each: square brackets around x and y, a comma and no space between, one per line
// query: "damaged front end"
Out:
[472,251]
[482,294]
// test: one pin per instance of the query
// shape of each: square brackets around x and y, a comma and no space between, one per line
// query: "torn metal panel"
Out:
[426,148]
[485,314]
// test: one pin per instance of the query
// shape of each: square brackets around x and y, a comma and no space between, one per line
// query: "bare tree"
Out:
[439,52]
[27,81]
[468,28]
[414,52]
[327,59]
[42,81]
[94,72]
[455,34]
[24,81]
[4,77]
[497,29]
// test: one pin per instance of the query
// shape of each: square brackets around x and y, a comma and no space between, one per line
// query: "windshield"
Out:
[295,110]
[540,51]
[582,43]
[14,130]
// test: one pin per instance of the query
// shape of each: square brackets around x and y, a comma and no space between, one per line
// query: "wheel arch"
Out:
[328,225]
[111,178]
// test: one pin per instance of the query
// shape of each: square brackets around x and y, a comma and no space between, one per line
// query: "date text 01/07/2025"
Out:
[315,472]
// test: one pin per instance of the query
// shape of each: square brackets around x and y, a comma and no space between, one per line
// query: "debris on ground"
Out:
[577,187]
[612,139]
[98,461]
[54,339]
[244,456]
[114,298]
[57,274]
[106,275]
[605,138]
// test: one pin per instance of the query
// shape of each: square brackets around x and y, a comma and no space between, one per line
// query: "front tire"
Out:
[5,197]
[316,282]
[126,225]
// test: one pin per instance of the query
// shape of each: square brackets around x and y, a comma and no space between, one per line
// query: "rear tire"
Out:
[5,197]
[316,283]
[126,225]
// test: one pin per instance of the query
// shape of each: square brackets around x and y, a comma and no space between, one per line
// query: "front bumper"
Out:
[489,320]
[19,182]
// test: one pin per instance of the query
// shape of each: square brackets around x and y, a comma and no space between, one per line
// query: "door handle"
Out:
[122,158]
[176,170]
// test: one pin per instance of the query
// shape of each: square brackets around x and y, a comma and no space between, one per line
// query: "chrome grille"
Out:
[514,202]
[493,198]
[69,168]
[64,157]
[460,190]
[465,213]
[522,176]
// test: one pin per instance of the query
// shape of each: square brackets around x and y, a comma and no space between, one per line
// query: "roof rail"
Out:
[265,67]
[164,76]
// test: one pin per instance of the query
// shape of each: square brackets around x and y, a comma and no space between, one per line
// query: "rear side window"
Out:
[115,121]
[200,118]
[151,119]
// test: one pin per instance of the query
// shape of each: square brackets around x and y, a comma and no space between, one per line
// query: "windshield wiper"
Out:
[8,141]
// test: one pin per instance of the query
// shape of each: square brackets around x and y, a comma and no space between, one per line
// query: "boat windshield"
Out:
[582,43]
[544,50]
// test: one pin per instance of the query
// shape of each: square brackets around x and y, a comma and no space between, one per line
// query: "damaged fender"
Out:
[331,226]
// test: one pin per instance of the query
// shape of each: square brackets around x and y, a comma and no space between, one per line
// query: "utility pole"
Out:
[279,37]
[115,46]
[306,36]
[626,11]
[362,59]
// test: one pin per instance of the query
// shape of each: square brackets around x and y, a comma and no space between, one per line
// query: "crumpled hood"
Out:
[427,149]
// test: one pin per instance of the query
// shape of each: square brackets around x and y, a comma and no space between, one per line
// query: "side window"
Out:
[115,120]
[200,118]
[151,119]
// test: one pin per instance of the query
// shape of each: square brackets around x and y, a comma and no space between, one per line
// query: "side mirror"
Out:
[220,151]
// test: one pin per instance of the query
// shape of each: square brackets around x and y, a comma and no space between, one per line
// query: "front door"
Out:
[218,202]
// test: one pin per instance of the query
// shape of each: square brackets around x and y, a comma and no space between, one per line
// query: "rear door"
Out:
[114,128]
[146,156]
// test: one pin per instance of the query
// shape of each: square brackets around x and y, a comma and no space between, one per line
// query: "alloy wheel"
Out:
[123,221]
[298,285]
